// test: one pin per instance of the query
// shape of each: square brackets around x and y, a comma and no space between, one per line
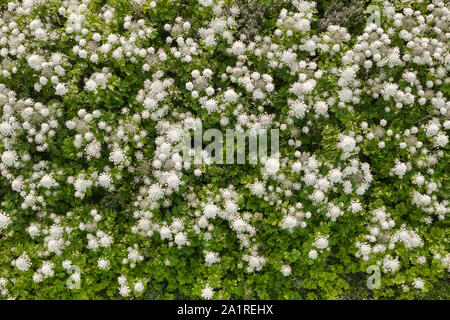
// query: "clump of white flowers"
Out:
[207,292]
[5,220]
[272,165]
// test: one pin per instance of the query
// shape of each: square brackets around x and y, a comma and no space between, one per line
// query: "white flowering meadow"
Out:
[97,203]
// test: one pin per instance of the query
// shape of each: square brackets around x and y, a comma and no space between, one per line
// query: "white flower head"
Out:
[5,220]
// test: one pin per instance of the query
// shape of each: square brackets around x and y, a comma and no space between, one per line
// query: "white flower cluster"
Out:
[96,99]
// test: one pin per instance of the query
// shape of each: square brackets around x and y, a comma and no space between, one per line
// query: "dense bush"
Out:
[97,203]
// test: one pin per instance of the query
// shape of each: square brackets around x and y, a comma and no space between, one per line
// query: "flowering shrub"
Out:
[96,201]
